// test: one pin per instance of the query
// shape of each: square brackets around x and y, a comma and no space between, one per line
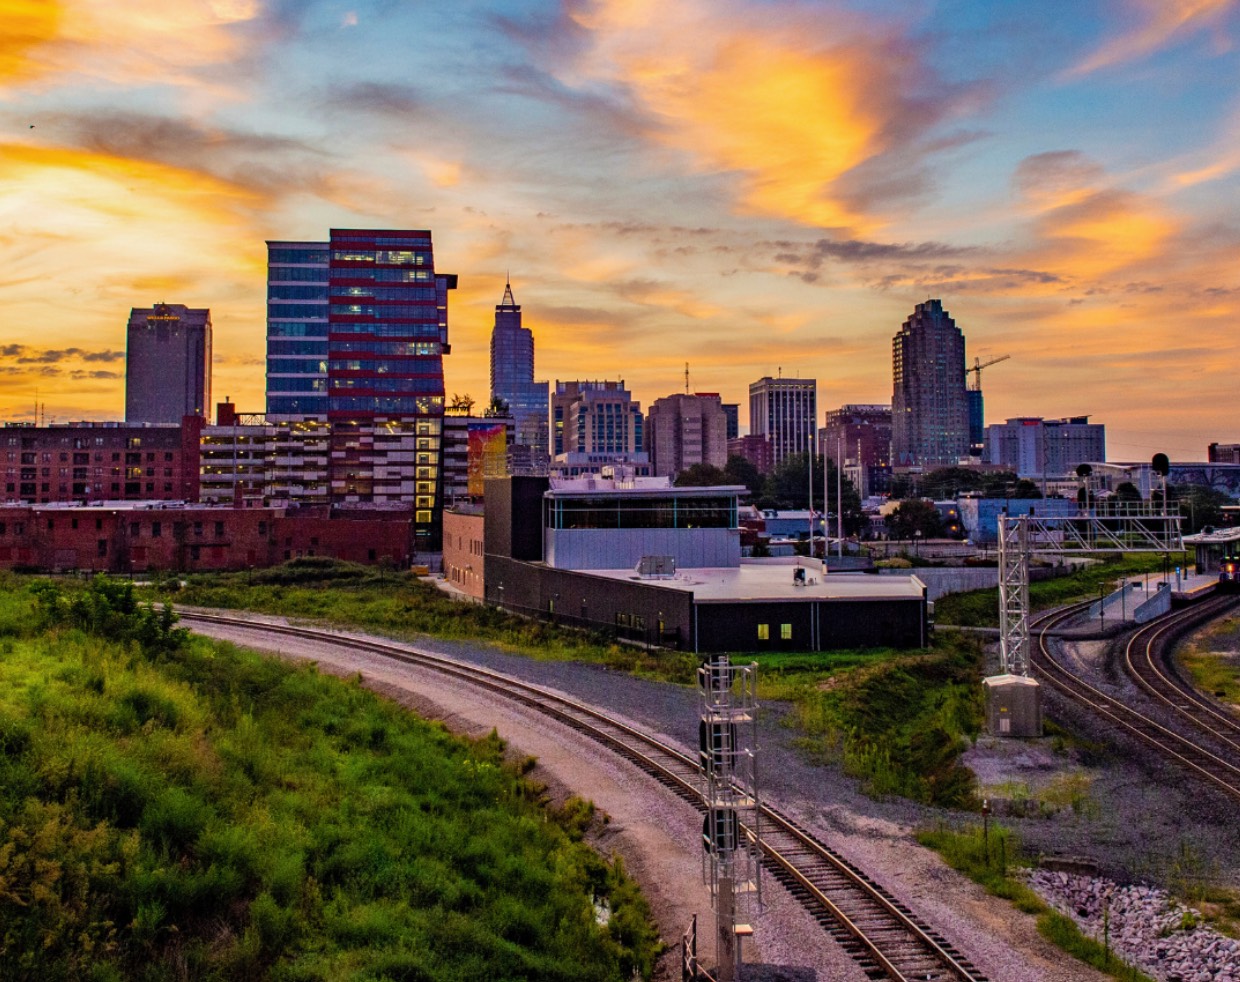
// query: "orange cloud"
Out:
[27,24]
[121,40]
[791,106]
[1163,21]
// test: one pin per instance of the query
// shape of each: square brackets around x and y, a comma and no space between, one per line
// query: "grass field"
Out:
[172,807]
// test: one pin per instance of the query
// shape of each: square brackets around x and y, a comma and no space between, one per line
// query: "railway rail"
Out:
[1171,745]
[883,935]
[1149,661]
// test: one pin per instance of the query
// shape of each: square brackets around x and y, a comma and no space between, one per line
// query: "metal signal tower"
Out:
[731,856]
[1107,527]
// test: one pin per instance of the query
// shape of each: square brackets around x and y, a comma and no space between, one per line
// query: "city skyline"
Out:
[755,188]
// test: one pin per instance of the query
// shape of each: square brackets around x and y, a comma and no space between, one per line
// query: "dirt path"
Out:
[658,836]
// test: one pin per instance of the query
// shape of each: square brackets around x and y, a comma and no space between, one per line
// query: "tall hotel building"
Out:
[784,411]
[512,380]
[929,405]
[167,364]
[357,331]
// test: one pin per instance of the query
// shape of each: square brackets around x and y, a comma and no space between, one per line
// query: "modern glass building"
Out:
[357,331]
[512,379]
[296,330]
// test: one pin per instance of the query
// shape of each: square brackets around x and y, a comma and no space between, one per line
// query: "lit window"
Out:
[764,632]
[785,631]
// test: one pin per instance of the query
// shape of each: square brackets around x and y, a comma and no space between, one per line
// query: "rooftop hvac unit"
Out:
[657,567]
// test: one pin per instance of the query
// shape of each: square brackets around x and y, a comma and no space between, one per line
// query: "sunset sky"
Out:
[749,186]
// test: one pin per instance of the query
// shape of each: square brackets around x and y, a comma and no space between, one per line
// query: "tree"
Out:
[948,482]
[1200,506]
[912,516]
[741,470]
[498,407]
[1126,492]
[1025,488]
[700,476]
[788,487]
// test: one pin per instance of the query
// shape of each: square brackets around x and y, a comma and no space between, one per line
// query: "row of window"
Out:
[381,275]
[388,405]
[290,347]
[385,366]
[385,311]
[407,293]
[32,489]
[283,255]
[764,632]
[298,328]
[398,384]
[296,274]
[387,257]
[381,329]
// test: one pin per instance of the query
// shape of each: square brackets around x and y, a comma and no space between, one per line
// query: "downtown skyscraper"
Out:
[783,411]
[167,364]
[356,333]
[929,405]
[512,382]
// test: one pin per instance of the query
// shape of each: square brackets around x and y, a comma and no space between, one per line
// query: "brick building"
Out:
[150,536]
[100,462]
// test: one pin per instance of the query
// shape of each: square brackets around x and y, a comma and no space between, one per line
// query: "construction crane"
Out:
[975,383]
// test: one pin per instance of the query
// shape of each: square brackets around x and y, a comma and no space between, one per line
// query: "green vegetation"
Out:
[1212,658]
[400,605]
[980,608]
[986,859]
[896,721]
[172,807]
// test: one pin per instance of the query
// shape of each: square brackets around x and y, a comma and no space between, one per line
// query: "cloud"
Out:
[1161,22]
[122,41]
[27,25]
[813,113]
[379,98]
[26,355]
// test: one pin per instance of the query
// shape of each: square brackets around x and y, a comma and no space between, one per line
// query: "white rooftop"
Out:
[763,582]
[1221,536]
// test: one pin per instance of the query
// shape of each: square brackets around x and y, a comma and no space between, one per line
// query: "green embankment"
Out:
[176,808]
[980,608]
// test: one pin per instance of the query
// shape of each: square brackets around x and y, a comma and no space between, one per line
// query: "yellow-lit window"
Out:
[764,632]
[785,631]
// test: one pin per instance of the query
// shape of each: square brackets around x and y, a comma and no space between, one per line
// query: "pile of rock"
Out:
[1146,927]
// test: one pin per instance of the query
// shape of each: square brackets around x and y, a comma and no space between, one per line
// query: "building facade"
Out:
[512,382]
[929,405]
[139,538]
[732,412]
[1036,447]
[597,418]
[785,412]
[297,275]
[1223,453]
[357,331]
[167,364]
[684,430]
[755,449]
[857,438]
[101,462]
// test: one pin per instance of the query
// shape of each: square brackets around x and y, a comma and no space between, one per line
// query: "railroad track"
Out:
[883,935]
[1173,746]
[1148,659]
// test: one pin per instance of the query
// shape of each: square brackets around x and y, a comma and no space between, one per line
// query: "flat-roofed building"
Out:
[167,364]
[684,430]
[784,411]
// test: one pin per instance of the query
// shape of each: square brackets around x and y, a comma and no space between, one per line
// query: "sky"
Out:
[748,187]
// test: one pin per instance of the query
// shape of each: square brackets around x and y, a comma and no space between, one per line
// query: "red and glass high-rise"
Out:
[381,384]
[387,333]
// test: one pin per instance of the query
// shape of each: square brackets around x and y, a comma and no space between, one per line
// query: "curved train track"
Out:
[886,938]
[1167,742]
[1149,661]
